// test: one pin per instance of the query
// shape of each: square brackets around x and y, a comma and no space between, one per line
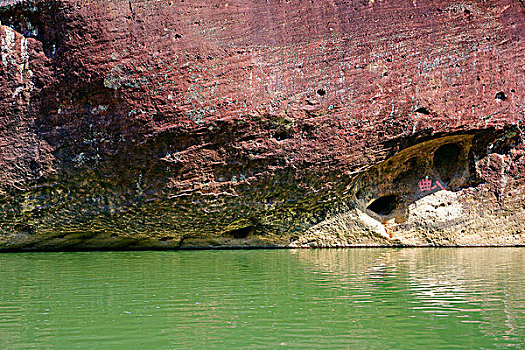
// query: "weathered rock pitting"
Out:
[168,124]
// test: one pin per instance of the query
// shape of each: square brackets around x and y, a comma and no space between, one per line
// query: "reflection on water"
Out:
[482,286]
[355,298]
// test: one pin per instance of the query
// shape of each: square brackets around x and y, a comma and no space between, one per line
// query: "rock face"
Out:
[172,123]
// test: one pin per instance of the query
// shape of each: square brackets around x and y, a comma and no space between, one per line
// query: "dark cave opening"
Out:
[24,228]
[446,159]
[243,232]
[384,205]
[423,110]
[501,96]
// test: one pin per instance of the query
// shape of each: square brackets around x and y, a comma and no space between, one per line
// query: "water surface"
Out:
[461,298]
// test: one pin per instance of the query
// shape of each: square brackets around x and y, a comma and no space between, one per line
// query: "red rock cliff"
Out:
[150,123]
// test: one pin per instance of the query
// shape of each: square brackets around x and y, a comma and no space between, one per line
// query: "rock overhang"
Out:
[200,113]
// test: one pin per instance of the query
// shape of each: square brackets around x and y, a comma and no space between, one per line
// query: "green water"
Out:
[354,299]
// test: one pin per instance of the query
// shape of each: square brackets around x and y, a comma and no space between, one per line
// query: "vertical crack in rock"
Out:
[131,10]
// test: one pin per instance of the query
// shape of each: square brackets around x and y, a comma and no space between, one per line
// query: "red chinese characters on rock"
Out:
[425,185]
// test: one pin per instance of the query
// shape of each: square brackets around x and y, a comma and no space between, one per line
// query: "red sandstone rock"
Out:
[127,122]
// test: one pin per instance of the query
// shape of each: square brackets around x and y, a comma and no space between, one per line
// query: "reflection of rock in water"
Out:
[450,279]
[342,263]
[481,283]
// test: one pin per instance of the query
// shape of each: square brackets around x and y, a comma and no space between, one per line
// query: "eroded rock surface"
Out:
[167,124]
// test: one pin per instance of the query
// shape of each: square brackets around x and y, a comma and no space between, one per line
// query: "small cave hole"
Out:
[24,228]
[33,165]
[384,205]
[321,92]
[501,96]
[248,138]
[446,154]
[283,134]
[423,110]
[243,232]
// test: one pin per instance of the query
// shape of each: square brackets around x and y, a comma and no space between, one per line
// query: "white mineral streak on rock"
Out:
[24,55]
[7,43]
[16,62]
